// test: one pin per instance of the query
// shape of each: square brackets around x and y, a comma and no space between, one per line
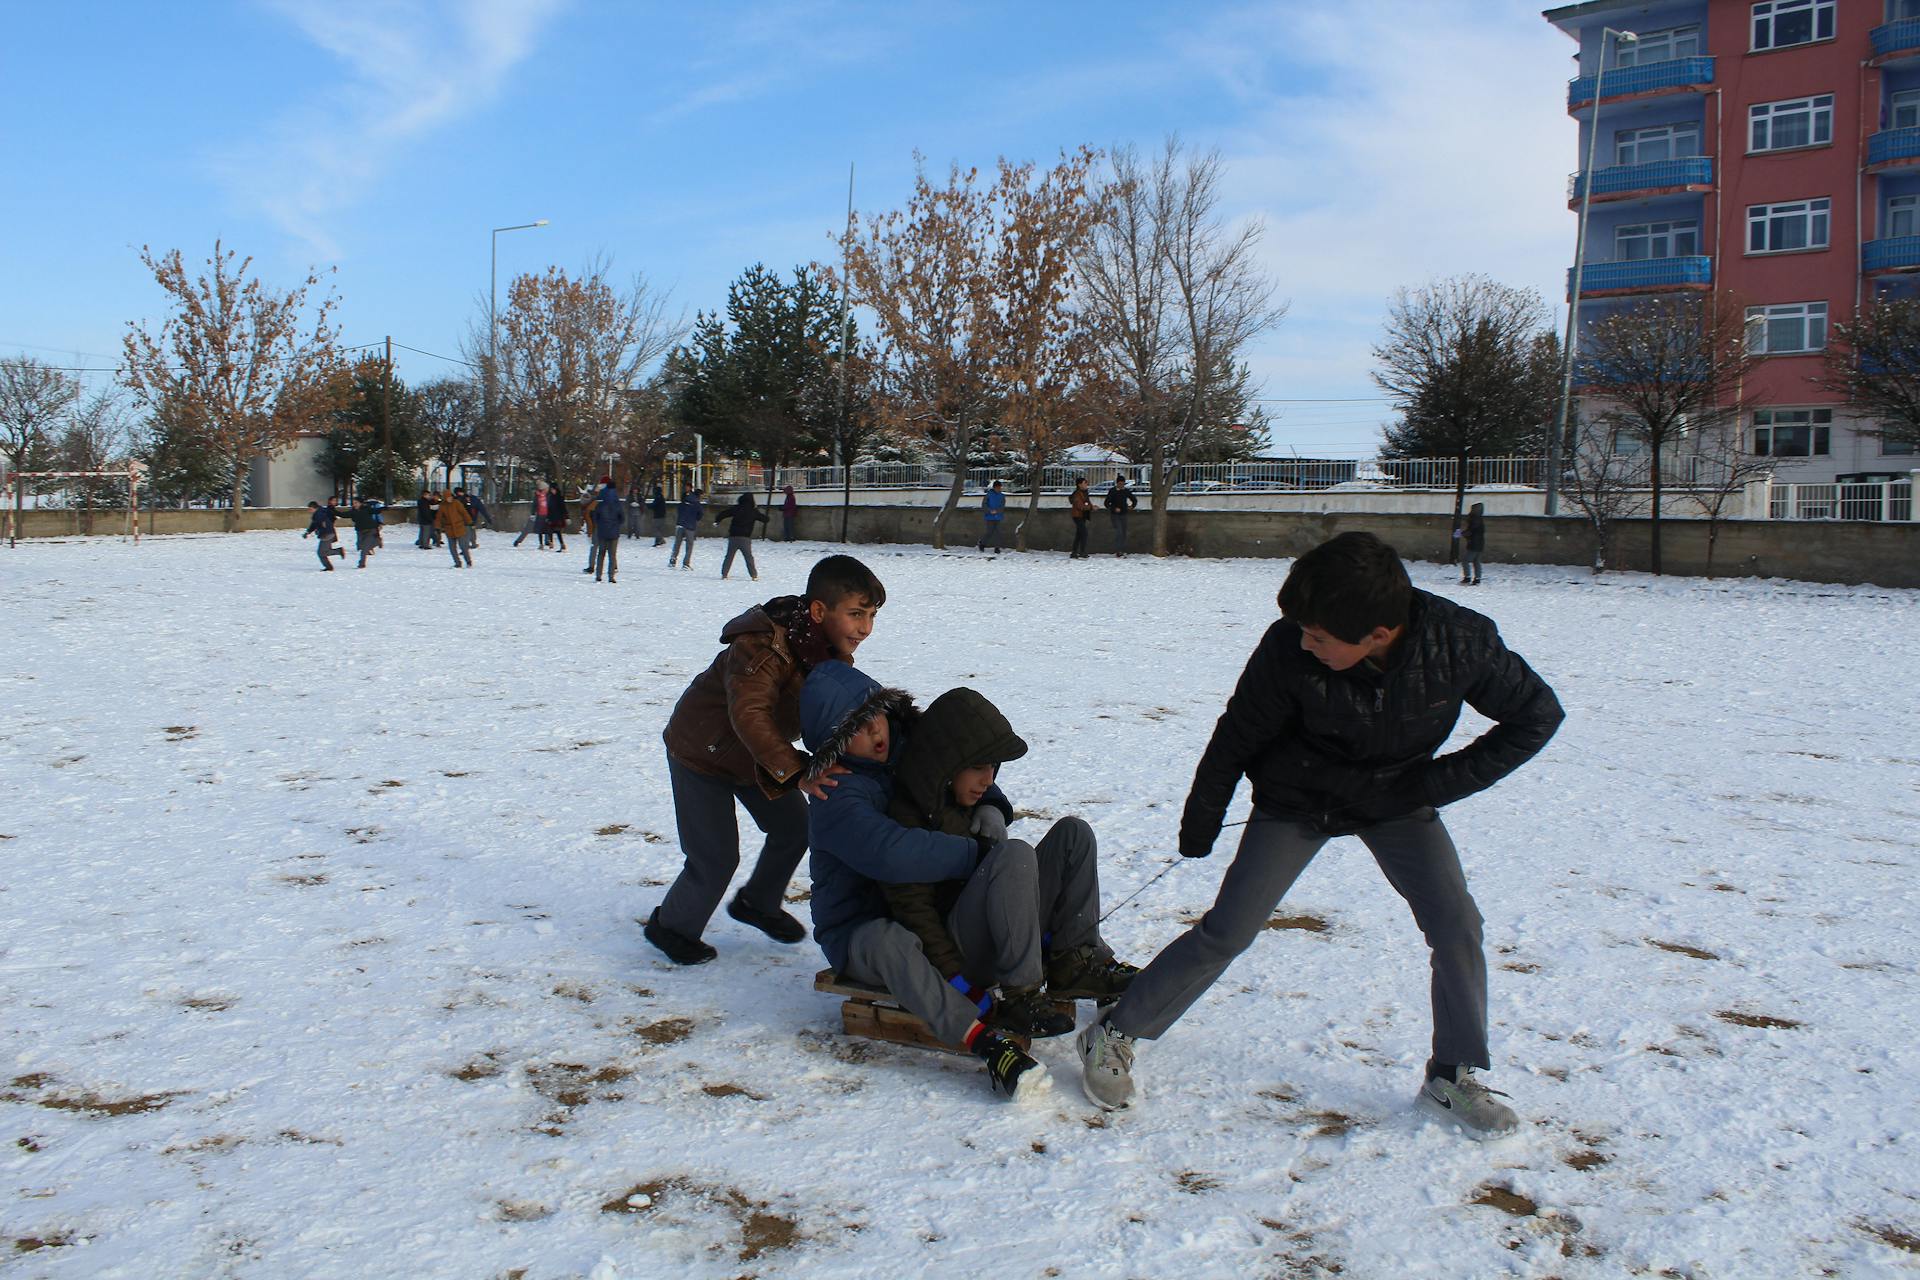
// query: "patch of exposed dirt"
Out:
[306,881]
[731,1091]
[574,991]
[573,1084]
[1304,923]
[612,829]
[1890,1234]
[1280,1093]
[485,1067]
[388,785]
[1520,966]
[1762,1020]
[34,1080]
[95,1104]
[33,1244]
[1682,949]
[653,837]
[180,732]
[1723,887]
[1584,1159]
[453,773]
[1195,1183]
[210,1004]
[218,1142]
[28,1143]
[1333,1124]
[762,1231]
[520,1210]
[665,1031]
[801,894]
[363,835]
[1506,1200]
[294,1135]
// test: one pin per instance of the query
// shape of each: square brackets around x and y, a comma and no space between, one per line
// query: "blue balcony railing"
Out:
[1890,254]
[1644,273]
[1896,36]
[1687,171]
[1893,144]
[1675,73]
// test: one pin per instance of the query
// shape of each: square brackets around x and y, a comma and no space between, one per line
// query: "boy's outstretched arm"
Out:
[1260,712]
[1525,713]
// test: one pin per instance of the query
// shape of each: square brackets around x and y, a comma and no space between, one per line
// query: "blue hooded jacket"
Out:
[856,846]
[609,513]
[995,506]
[690,509]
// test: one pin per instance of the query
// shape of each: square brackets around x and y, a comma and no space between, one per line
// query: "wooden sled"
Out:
[871,1013]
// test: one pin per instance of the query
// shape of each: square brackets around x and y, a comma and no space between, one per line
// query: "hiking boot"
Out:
[678,947]
[1462,1099]
[1106,1066]
[1026,1012]
[777,925]
[1011,1070]
[1088,973]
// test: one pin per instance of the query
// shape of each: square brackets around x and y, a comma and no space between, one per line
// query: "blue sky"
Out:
[1381,144]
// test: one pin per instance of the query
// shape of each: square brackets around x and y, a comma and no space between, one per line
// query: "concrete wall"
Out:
[1886,555]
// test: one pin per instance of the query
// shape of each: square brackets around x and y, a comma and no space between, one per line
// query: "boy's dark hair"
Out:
[314,504]
[837,577]
[1347,586]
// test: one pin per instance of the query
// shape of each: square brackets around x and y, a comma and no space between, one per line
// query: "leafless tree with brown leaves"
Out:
[33,397]
[249,366]
[1176,294]
[1874,361]
[1667,367]
[572,350]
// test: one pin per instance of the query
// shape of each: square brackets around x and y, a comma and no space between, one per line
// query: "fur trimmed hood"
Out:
[835,702]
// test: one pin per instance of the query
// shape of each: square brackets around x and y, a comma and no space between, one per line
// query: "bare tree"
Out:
[1874,361]
[94,438]
[924,272]
[1045,359]
[33,396]
[1666,367]
[1175,295]
[1603,480]
[1462,362]
[1723,468]
[648,431]
[571,350]
[448,411]
[245,363]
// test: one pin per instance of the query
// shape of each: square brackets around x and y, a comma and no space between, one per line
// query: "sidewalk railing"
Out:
[1883,500]
[1263,475]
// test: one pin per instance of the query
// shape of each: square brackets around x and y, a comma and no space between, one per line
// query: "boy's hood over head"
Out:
[834,702]
[959,729]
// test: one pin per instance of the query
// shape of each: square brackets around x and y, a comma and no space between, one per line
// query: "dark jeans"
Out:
[606,555]
[710,843]
[325,551]
[1418,858]
[1119,532]
[990,536]
[787,521]
[1080,539]
[736,546]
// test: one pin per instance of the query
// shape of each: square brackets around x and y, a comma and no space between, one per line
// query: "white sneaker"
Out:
[1467,1103]
[1106,1064]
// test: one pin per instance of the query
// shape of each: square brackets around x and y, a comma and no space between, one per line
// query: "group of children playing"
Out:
[919,888]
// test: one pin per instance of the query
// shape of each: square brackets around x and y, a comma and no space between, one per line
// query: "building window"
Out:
[1903,213]
[1778,228]
[1668,142]
[1793,326]
[1898,9]
[1662,46]
[1656,240]
[1792,433]
[1779,23]
[1801,122]
[1891,448]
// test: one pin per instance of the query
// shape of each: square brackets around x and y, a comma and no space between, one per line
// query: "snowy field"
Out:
[317,952]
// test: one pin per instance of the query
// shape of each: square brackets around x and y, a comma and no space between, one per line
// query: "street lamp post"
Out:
[1579,263]
[493,339]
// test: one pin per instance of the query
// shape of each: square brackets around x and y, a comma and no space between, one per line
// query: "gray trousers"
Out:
[659,531]
[682,536]
[739,547]
[1017,897]
[1418,858]
[1119,519]
[710,843]
[457,547]
[606,555]
[1470,564]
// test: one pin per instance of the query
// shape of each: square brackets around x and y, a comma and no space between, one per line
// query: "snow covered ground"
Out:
[317,953]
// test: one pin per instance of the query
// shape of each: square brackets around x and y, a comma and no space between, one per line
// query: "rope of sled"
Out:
[1159,875]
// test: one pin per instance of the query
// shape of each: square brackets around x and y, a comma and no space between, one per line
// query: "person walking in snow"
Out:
[657,509]
[1473,544]
[993,510]
[424,510]
[320,524]
[536,525]
[687,527]
[366,528]
[477,513]
[1120,503]
[609,516]
[789,514]
[1081,505]
[452,520]
[1335,721]
[557,515]
[741,517]
[730,740]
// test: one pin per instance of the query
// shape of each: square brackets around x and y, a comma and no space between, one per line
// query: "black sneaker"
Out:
[677,946]
[1028,1013]
[1088,973]
[1011,1070]
[777,925]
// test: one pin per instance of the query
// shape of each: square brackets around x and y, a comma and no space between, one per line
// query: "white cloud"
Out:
[413,66]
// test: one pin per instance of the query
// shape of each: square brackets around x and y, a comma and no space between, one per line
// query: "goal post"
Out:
[17,482]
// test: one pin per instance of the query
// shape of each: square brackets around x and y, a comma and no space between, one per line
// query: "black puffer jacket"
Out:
[1343,750]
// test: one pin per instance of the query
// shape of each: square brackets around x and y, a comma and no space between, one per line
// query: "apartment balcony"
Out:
[1896,253]
[1892,149]
[1896,43]
[1688,174]
[1676,75]
[1644,275]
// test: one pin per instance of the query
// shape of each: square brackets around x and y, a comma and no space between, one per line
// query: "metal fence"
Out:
[1883,500]
[1257,476]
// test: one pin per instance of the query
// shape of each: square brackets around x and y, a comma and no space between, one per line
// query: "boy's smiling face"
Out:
[971,783]
[872,742]
[847,623]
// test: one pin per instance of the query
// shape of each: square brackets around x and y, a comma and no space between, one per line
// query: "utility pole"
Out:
[386,419]
[846,461]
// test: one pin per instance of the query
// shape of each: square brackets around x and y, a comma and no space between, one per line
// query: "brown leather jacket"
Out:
[739,717]
[1081,504]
